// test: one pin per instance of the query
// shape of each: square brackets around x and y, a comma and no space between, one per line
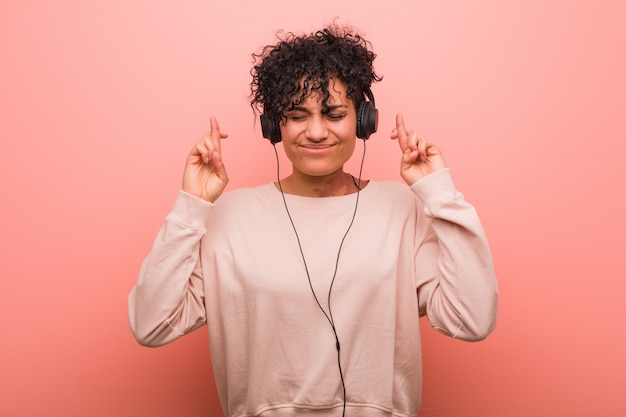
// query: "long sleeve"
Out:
[456,285]
[168,298]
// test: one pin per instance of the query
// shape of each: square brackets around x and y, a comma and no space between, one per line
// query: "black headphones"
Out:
[366,121]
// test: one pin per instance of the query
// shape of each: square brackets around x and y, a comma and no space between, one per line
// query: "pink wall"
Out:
[100,102]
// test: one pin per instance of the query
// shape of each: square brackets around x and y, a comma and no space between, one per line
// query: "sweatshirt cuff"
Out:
[190,211]
[436,190]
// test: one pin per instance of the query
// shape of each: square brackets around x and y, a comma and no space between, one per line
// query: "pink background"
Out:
[100,102]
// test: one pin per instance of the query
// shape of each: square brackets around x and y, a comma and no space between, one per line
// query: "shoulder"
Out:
[391,190]
[241,209]
[246,198]
[394,187]
[392,197]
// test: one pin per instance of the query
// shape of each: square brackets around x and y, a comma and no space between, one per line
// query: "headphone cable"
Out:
[329,315]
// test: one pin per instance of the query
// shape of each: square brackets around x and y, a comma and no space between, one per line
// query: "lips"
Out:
[316,149]
[308,146]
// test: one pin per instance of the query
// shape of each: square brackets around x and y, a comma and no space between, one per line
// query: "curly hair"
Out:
[286,73]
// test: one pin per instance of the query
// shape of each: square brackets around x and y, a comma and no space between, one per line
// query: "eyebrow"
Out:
[304,109]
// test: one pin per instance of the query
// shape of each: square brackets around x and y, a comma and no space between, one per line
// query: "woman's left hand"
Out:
[419,156]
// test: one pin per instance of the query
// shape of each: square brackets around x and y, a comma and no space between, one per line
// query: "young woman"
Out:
[312,286]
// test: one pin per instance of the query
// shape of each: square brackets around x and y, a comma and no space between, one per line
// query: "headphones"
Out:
[366,121]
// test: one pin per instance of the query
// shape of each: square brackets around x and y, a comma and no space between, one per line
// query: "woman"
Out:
[312,286]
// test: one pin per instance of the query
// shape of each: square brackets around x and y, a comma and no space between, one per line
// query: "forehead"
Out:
[336,88]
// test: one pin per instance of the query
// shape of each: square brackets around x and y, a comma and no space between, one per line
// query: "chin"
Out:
[313,171]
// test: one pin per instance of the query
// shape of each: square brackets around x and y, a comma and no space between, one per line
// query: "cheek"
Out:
[289,152]
[350,127]
[349,148]
[290,131]
[347,131]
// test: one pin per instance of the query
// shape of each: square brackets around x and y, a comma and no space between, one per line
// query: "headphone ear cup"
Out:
[367,120]
[270,128]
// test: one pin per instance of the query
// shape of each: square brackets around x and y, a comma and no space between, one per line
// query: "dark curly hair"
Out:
[286,73]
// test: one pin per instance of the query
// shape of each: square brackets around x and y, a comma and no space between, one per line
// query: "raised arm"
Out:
[168,298]
[455,281]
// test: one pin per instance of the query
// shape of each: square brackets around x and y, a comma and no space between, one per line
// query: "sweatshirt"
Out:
[272,283]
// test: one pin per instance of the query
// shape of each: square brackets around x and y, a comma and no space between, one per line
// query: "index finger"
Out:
[216,134]
[401,134]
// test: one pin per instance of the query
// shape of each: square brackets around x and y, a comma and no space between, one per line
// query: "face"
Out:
[319,144]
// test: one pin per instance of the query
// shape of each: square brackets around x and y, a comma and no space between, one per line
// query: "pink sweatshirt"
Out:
[235,265]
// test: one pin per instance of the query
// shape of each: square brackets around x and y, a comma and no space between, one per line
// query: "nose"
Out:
[316,129]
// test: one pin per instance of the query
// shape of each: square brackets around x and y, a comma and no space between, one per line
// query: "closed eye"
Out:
[336,116]
[296,116]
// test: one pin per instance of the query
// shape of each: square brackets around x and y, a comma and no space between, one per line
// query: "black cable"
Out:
[329,315]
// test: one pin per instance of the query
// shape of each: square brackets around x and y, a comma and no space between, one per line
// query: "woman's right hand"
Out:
[205,175]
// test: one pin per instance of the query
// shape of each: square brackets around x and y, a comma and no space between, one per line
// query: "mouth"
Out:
[312,148]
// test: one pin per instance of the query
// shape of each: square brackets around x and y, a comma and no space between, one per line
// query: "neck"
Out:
[336,184]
